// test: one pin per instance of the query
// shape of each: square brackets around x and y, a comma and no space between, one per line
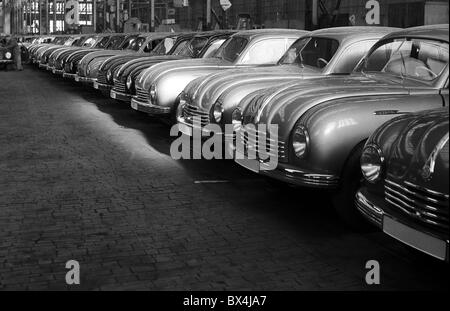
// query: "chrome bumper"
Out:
[84,79]
[188,128]
[289,173]
[6,61]
[57,71]
[120,96]
[368,209]
[428,243]
[149,108]
[101,86]
[69,75]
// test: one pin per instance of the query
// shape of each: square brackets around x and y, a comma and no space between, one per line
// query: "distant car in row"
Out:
[159,86]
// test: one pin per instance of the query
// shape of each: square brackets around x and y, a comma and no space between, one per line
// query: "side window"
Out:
[351,56]
[267,51]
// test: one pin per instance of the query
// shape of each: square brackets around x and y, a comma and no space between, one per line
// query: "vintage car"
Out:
[158,87]
[106,71]
[89,65]
[143,44]
[90,45]
[323,123]
[333,51]
[48,59]
[38,51]
[6,57]
[202,45]
[42,44]
[405,163]
[101,43]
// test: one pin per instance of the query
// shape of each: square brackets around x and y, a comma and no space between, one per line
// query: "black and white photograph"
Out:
[226,151]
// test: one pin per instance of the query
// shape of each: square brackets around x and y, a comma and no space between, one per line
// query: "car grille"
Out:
[421,204]
[119,86]
[142,95]
[102,77]
[250,138]
[190,112]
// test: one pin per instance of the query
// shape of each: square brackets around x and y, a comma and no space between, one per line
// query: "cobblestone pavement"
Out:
[83,177]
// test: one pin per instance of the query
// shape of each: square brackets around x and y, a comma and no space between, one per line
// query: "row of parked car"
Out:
[360,111]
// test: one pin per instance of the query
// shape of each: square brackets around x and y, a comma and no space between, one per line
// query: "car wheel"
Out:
[344,197]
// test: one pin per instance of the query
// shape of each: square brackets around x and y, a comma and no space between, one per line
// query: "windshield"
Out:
[232,49]
[213,48]
[136,44]
[70,41]
[164,46]
[114,42]
[102,42]
[266,51]
[418,59]
[89,42]
[80,41]
[193,48]
[127,42]
[179,47]
[315,53]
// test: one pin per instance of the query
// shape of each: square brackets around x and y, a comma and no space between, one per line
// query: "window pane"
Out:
[266,52]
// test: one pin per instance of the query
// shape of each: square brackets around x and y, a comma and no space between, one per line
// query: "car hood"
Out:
[76,55]
[419,153]
[193,66]
[144,62]
[203,92]
[82,66]
[284,105]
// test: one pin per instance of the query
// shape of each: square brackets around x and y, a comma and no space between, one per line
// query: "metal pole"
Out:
[54,16]
[152,15]
[104,16]
[46,18]
[39,16]
[94,15]
[117,15]
[208,14]
[314,12]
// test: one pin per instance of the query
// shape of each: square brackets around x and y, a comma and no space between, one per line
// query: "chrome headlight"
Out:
[300,141]
[217,111]
[153,92]
[372,161]
[88,71]
[109,76]
[236,118]
[8,55]
[129,82]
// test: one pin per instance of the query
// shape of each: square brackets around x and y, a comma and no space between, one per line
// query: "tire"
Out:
[344,198]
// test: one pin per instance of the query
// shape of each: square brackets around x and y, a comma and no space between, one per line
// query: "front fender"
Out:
[171,84]
[336,127]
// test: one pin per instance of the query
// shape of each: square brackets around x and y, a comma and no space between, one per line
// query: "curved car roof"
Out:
[437,32]
[354,32]
[251,34]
